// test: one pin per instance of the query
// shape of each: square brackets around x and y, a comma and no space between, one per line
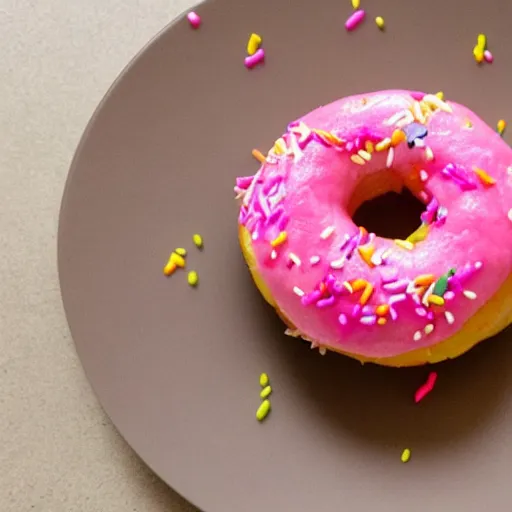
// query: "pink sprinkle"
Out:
[342,319]
[252,60]
[418,96]
[194,19]
[426,388]
[397,286]
[449,295]
[325,303]
[393,314]
[488,57]
[355,20]
[397,298]
[421,311]
[368,320]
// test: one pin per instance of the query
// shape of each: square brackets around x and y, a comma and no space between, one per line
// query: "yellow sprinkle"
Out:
[357,159]
[484,177]
[264,380]
[383,145]
[280,239]
[379,20]
[406,455]
[419,235]
[478,53]
[481,41]
[381,321]
[256,153]
[468,124]
[440,95]
[404,244]
[356,4]
[193,278]
[169,268]
[366,252]
[436,300]
[178,260]
[263,410]
[198,240]
[265,392]
[181,251]
[502,124]
[253,44]
[364,155]
[328,136]
[429,154]
[280,146]
[368,145]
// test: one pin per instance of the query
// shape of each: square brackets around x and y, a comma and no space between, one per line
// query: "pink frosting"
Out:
[303,190]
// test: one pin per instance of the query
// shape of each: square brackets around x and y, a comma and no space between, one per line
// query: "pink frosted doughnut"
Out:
[389,301]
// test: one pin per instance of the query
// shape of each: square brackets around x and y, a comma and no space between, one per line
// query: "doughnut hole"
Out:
[384,204]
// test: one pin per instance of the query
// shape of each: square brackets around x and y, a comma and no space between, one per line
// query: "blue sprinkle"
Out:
[414,131]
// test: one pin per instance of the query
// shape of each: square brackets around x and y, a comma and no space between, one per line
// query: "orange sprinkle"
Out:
[366,252]
[425,280]
[256,153]
[381,321]
[279,239]
[362,232]
[421,290]
[323,288]
[382,310]
[436,300]
[397,137]
[365,296]
[169,268]
[484,177]
[330,137]
[358,285]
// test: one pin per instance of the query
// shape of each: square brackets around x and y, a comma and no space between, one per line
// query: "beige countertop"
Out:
[59,452]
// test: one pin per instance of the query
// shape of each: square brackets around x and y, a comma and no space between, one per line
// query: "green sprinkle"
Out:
[264,380]
[263,410]
[198,241]
[265,392]
[406,455]
[193,278]
[442,283]
[181,251]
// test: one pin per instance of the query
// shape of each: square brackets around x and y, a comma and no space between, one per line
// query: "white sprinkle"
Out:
[419,143]
[273,255]
[411,288]
[417,336]
[313,345]
[255,235]
[337,264]
[509,215]
[429,154]
[364,155]
[408,119]
[479,265]
[348,286]
[469,294]
[449,317]
[427,294]
[429,328]
[423,175]
[509,169]
[314,260]
[418,113]
[396,117]
[322,351]
[298,291]
[389,159]
[327,232]
[376,258]
[433,101]
[295,259]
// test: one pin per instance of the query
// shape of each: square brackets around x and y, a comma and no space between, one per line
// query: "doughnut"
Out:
[404,302]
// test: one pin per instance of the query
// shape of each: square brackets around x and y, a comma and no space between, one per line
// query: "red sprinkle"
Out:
[426,388]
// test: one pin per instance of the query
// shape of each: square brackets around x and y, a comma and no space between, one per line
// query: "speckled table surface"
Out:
[59,452]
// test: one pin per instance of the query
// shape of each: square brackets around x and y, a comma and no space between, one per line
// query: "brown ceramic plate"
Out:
[177,368]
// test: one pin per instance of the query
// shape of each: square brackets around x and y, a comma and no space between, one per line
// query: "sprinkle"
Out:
[481,41]
[178,260]
[382,309]
[449,295]
[356,4]
[325,303]
[427,294]
[264,380]
[314,260]
[488,57]
[433,101]
[406,455]
[421,312]
[389,159]
[342,319]
[256,153]
[419,235]
[368,145]
[396,286]
[441,285]
[404,244]
[294,259]
[368,320]
[337,264]
[383,145]
[181,251]
[365,296]
[397,137]
[327,232]
[469,294]
[265,392]
[436,300]
[298,291]
[193,278]
[253,44]
[478,54]
[280,146]
[357,159]
[399,297]
[379,20]
[280,239]
[322,351]
[426,388]
[417,336]
[502,124]
[423,175]
[509,215]
[169,268]
[429,154]
[198,241]
[364,155]
[424,280]
[194,19]
[397,117]
[440,95]
[382,321]
[273,255]
[255,59]
[263,410]
[449,317]
[484,177]
[348,287]
[366,253]
[415,132]
[355,19]
[418,114]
